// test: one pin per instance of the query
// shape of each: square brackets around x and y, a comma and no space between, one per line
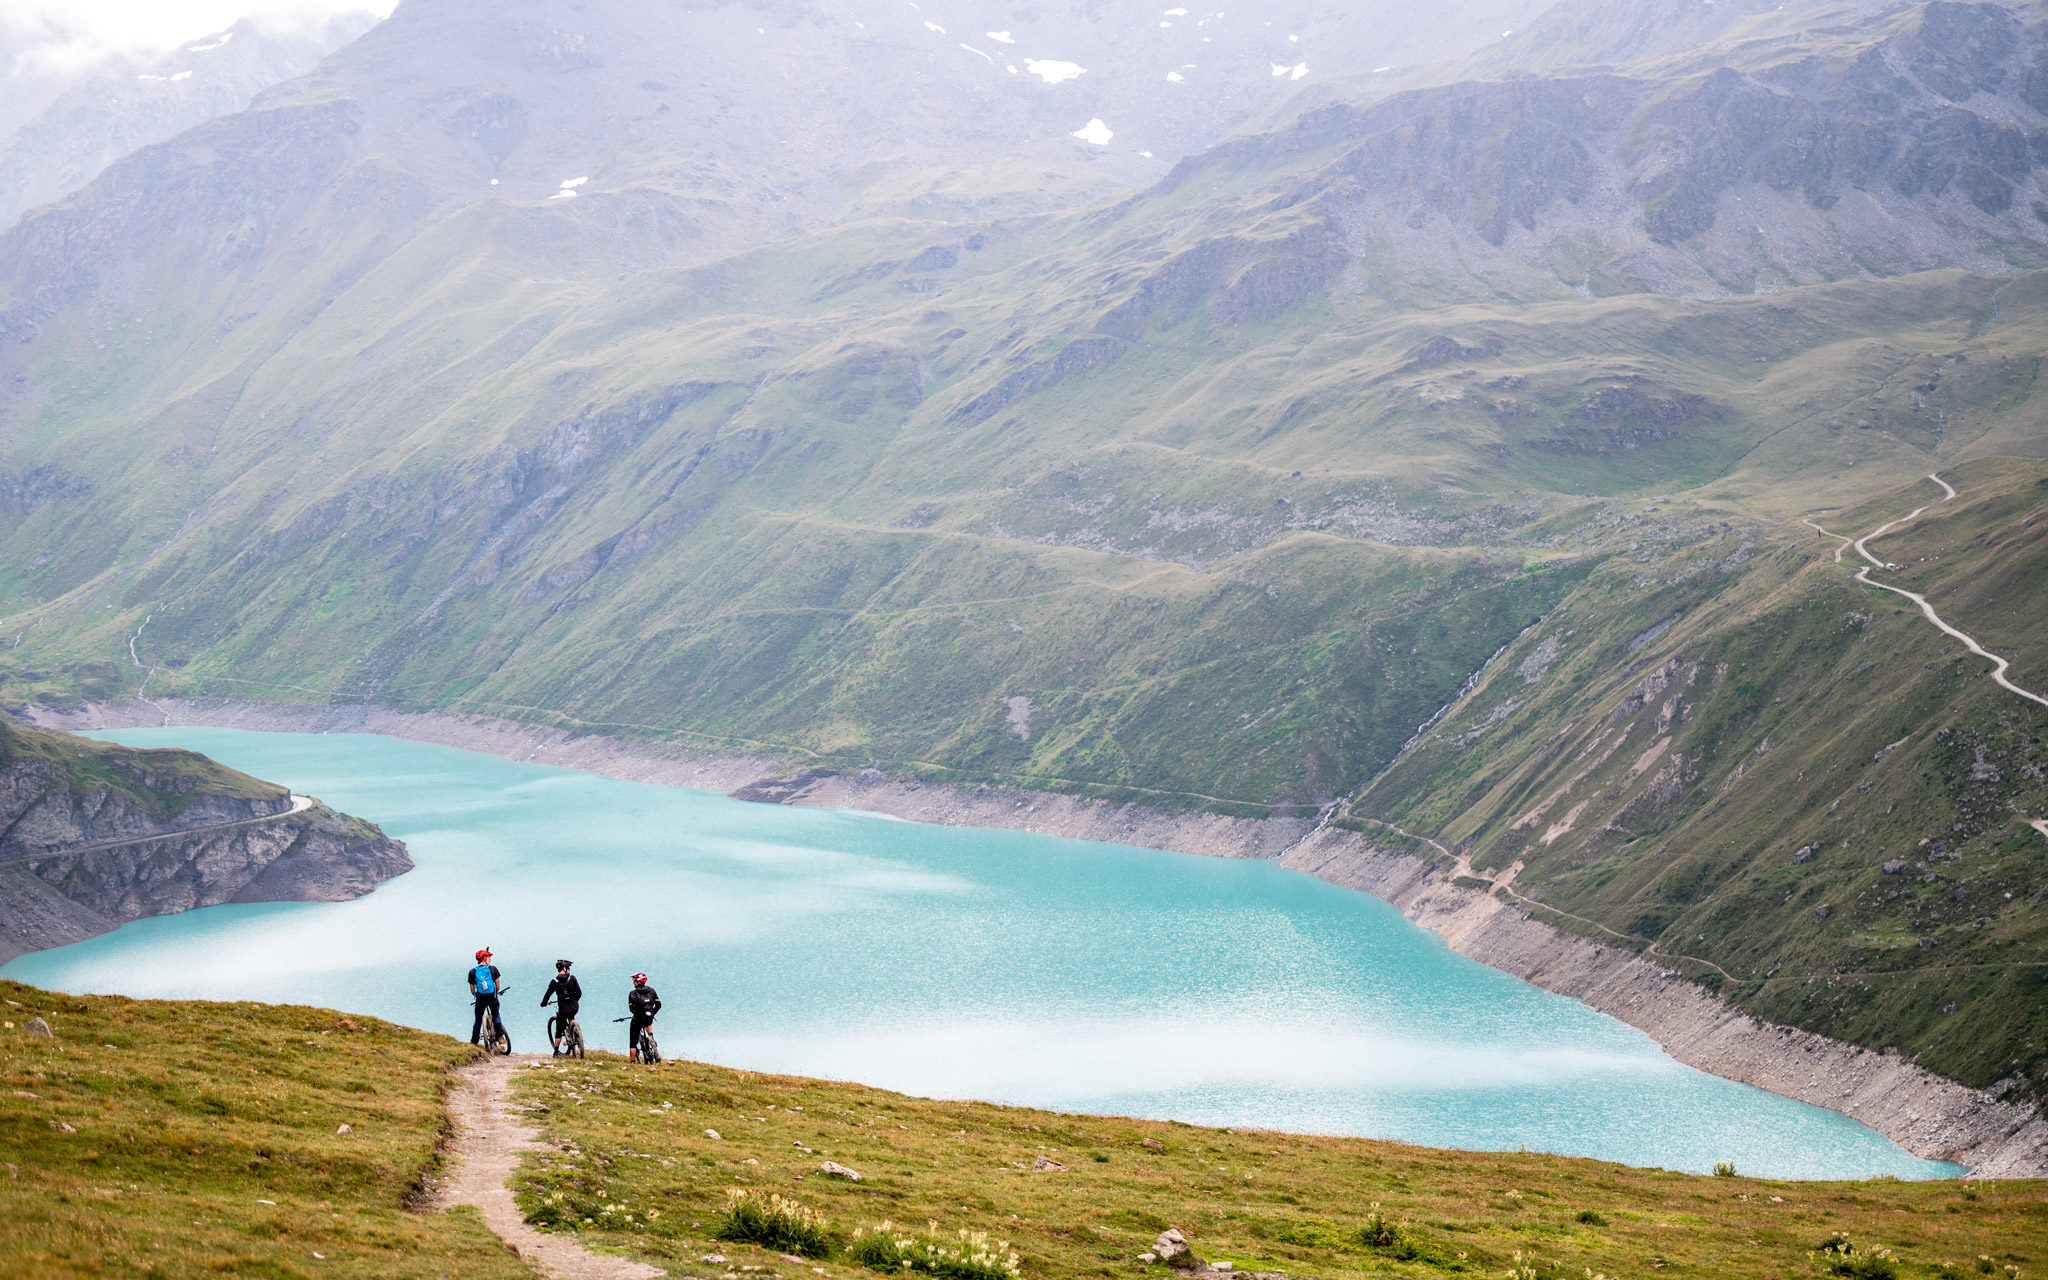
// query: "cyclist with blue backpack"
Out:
[484,986]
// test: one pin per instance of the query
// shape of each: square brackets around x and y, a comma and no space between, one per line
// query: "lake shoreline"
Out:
[1927,1114]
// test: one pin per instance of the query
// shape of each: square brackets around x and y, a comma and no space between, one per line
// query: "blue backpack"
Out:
[486,985]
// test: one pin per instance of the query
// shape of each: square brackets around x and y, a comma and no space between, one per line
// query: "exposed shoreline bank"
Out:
[1927,1114]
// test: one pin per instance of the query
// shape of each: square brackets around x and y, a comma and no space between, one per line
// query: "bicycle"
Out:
[568,1040]
[648,1052]
[496,1039]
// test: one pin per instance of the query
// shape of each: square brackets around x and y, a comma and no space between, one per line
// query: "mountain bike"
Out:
[568,1038]
[644,1049]
[495,1038]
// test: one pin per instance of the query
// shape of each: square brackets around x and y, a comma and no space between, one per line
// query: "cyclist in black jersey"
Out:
[566,994]
[642,1002]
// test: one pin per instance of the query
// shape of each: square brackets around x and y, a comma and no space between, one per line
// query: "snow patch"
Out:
[1053,71]
[564,194]
[225,36]
[1000,37]
[978,53]
[1146,154]
[573,182]
[1094,131]
[1176,77]
[1295,72]
[146,76]
[182,75]
[933,26]
[1176,13]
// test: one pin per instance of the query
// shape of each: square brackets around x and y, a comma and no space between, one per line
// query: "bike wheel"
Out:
[650,1053]
[503,1044]
[575,1040]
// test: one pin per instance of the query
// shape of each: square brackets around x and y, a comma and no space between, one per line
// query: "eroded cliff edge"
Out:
[1927,1114]
[93,835]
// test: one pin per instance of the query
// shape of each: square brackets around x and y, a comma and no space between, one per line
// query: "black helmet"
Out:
[561,964]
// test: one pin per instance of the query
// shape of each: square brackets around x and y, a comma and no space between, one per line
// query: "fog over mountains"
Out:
[66,114]
[1162,404]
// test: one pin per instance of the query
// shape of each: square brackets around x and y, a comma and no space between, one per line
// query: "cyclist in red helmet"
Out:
[643,1002]
[484,985]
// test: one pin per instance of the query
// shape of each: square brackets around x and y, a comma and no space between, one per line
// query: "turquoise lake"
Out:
[946,962]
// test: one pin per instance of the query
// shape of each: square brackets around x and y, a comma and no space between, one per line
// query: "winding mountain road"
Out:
[299,805]
[1999,665]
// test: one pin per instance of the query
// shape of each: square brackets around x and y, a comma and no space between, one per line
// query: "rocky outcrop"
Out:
[1929,1115]
[93,836]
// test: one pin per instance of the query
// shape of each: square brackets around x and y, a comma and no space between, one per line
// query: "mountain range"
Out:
[1399,417]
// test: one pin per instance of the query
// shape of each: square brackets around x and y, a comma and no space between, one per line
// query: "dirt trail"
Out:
[487,1146]
[1998,664]
[299,805]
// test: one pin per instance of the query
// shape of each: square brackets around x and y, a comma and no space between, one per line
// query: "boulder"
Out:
[1045,1164]
[37,1027]
[834,1170]
[1172,1249]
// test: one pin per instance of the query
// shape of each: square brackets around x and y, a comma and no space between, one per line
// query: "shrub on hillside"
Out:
[1842,1257]
[970,1255]
[774,1221]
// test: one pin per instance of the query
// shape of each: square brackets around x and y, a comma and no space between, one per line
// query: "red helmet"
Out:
[483,955]
[639,979]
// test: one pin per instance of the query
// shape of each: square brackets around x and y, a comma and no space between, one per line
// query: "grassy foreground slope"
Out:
[175,1139]
[635,1140]
[150,1138]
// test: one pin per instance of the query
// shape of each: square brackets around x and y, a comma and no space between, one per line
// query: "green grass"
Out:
[1309,1206]
[183,1139]
[161,782]
[154,1138]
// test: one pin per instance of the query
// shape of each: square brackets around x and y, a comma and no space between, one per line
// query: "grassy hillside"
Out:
[156,1139]
[148,1138]
[635,1141]
[1742,756]
[161,783]
[1232,481]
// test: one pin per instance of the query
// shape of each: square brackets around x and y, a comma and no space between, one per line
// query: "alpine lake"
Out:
[942,961]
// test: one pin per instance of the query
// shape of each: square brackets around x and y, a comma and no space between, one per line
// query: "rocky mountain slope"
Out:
[93,835]
[61,125]
[495,367]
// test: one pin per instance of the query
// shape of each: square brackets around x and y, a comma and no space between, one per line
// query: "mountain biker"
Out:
[484,985]
[567,993]
[643,1002]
